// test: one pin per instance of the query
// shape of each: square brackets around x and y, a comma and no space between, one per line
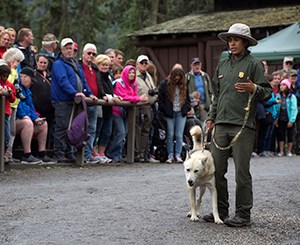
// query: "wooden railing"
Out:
[131,125]
[80,153]
[3,95]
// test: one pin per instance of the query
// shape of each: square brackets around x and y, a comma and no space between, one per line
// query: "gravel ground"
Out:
[140,204]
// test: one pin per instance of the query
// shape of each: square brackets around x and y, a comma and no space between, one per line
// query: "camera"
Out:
[19,91]
[153,92]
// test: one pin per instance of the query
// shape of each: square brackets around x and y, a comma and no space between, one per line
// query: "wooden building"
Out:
[194,35]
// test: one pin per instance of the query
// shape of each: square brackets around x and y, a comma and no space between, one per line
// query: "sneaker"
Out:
[108,160]
[179,159]
[104,159]
[289,154]
[153,160]
[30,160]
[263,154]
[12,160]
[254,154]
[92,160]
[61,159]
[280,154]
[48,160]
[95,154]
[170,159]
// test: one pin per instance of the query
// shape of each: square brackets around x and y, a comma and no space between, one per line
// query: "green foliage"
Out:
[106,23]
[13,13]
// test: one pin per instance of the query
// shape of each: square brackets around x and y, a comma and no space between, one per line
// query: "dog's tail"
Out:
[196,133]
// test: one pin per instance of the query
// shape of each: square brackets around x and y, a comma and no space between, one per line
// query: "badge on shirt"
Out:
[241,74]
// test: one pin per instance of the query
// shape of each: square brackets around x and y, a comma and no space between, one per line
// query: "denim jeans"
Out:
[6,132]
[103,131]
[63,112]
[118,140]
[265,138]
[175,129]
[92,117]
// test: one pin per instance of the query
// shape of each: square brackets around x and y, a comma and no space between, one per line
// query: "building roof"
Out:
[220,21]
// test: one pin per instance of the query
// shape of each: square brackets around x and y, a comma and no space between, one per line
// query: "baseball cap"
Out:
[141,58]
[288,59]
[195,60]
[75,46]
[49,38]
[293,72]
[66,41]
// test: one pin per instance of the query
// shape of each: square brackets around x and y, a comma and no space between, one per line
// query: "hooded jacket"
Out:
[126,89]
[26,108]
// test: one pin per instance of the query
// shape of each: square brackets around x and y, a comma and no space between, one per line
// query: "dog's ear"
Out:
[188,156]
[203,159]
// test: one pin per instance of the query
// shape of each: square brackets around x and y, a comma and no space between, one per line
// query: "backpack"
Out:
[78,133]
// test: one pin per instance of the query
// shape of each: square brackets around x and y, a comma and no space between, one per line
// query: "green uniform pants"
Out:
[241,152]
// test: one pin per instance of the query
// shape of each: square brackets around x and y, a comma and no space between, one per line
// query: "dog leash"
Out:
[247,109]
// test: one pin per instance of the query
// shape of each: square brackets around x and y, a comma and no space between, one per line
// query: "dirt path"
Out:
[140,204]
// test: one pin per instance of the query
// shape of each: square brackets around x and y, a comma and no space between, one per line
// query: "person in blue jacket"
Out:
[29,123]
[68,81]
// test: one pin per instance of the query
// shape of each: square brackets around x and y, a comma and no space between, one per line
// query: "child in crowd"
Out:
[287,112]
[6,86]
[127,88]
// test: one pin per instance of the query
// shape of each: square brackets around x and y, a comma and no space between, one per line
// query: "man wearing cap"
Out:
[199,81]
[68,81]
[29,123]
[49,45]
[144,113]
[237,85]
[25,41]
[287,64]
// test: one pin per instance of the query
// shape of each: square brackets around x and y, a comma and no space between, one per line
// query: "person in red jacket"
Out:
[5,85]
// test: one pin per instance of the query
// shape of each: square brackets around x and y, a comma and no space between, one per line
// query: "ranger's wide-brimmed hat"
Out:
[238,30]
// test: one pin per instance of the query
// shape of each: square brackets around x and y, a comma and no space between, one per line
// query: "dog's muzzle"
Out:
[191,183]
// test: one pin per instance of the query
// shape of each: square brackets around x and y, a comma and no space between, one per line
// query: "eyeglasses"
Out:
[91,53]
[289,63]
[144,62]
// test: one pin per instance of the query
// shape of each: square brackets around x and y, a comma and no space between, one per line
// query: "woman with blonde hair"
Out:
[13,57]
[104,121]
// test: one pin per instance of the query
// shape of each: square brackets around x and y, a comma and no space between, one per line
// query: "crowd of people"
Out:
[43,84]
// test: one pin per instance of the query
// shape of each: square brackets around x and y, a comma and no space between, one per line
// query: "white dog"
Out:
[199,171]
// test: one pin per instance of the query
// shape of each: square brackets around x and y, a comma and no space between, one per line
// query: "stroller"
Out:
[159,145]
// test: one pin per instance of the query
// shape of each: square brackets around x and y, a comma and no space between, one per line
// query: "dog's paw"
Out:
[189,214]
[218,221]
[194,218]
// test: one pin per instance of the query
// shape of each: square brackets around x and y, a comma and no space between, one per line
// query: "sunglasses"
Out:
[289,63]
[91,53]
[144,62]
